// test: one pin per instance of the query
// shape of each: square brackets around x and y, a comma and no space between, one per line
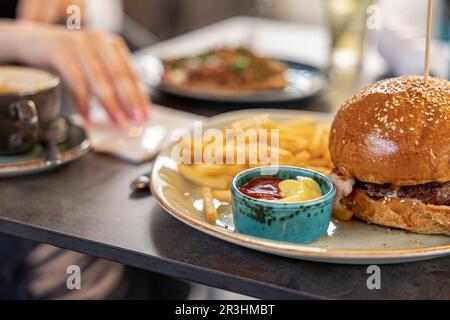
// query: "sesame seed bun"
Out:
[407,214]
[396,131]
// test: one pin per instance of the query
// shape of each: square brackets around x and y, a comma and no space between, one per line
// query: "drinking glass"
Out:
[347,22]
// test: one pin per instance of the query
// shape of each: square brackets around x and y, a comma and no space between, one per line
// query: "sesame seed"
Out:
[430,102]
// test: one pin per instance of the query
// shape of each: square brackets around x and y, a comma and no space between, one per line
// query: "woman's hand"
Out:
[90,63]
[48,11]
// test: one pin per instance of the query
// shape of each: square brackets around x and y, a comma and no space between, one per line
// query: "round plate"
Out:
[353,242]
[76,146]
[304,81]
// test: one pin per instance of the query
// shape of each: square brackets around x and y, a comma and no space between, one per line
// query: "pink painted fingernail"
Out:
[119,119]
[146,111]
[136,115]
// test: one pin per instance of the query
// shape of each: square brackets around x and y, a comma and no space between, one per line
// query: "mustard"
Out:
[301,189]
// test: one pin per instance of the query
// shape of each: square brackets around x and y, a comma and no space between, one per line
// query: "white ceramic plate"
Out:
[354,242]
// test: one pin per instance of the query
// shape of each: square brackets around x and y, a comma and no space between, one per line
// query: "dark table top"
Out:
[86,206]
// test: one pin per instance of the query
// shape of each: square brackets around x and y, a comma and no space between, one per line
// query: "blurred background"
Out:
[168,18]
[356,41]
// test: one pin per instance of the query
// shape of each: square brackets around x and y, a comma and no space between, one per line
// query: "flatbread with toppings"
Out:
[225,71]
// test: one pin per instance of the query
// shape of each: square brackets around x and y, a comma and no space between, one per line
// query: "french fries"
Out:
[342,214]
[301,157]
[222,195]
[208,205]
[261,121]
[214,182]
[302,142]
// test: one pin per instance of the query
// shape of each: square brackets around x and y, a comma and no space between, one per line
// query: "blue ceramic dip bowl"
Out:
[297,222]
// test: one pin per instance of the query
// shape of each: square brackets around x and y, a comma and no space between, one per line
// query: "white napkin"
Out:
[136,143]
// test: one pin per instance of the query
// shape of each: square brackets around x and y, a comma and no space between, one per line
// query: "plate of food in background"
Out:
[233,75]
[199,194]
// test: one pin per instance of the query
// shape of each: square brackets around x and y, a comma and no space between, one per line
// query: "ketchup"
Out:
[262,188]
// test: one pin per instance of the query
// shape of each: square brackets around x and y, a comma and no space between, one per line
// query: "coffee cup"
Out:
[29,100]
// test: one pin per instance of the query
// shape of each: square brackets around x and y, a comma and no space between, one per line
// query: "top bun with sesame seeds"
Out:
[396,131]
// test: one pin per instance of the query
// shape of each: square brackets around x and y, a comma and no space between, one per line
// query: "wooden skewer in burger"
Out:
[390,144]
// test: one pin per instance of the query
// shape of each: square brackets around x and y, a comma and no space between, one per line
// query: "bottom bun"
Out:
[407,214]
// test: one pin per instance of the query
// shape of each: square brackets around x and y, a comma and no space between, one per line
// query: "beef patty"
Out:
[430,193]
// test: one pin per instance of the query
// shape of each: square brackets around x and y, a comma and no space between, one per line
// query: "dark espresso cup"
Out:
[29,100]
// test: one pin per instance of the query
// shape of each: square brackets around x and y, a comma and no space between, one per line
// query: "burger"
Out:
[390,145]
